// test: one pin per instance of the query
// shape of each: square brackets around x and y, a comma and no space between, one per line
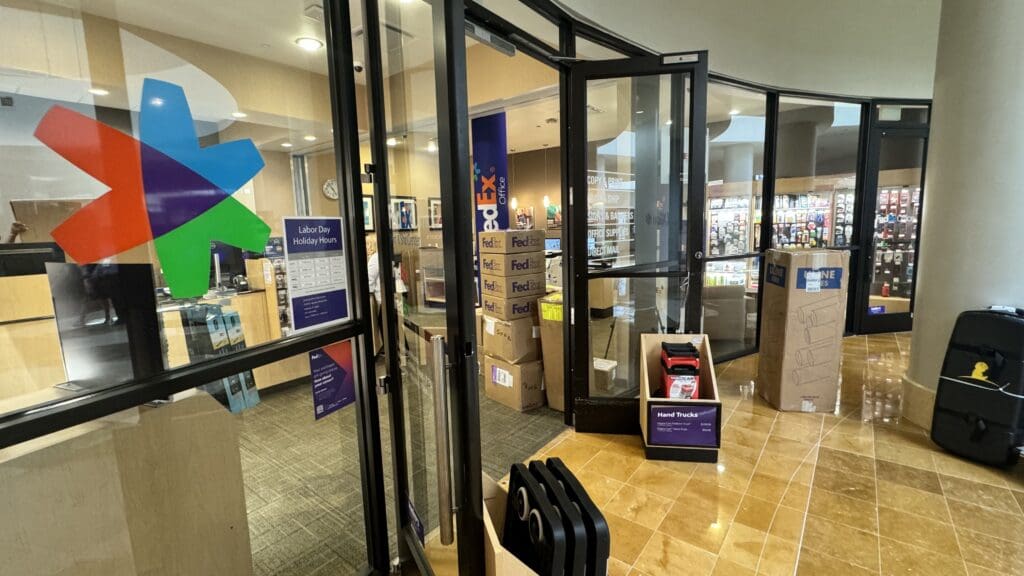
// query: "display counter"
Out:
[33,361]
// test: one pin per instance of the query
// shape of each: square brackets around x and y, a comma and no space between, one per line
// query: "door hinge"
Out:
[383,385]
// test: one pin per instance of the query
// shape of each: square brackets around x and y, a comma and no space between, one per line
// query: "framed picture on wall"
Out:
[434,213]
[368,213]
[403,213]
[554,215]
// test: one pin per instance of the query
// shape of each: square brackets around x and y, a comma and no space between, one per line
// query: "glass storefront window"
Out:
[730,304]
[816,173]
[736,133]
[150,159]
[149,163]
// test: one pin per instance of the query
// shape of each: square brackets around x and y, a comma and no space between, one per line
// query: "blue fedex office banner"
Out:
[822,278]
[490,172]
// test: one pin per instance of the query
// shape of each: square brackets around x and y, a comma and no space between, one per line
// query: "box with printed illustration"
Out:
[803,317]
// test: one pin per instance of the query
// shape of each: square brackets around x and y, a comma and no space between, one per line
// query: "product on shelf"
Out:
[729,225]
[896,218]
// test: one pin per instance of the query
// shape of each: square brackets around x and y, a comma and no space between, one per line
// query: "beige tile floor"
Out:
[803,493]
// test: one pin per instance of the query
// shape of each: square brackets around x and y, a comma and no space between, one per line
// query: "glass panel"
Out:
[897,214]
[731,305]
[736,125]
[183,256]
[816,173]
[634,222]
[621,310]
[631,218]
[587,50]
[103,78]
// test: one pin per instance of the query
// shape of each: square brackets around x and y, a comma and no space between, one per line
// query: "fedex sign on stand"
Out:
[490,172]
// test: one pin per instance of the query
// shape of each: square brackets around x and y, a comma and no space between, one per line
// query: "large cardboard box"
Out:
[518,386]
[512,264]
[509,308]
[513,286]
[803,315]
[511,241]
[512,340]
[675,429]
[553,349]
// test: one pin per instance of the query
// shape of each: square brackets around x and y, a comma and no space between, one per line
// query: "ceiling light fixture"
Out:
[431,146]
[239,114]
[309,44]
[98,91]
[157,101]
[309,138]
[733,112]
[286,145]
[668,122]
[392,142]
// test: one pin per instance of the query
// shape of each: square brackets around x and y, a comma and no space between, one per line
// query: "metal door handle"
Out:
[443,442]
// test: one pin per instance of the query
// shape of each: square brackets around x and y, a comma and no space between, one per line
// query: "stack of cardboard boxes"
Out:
[511,280]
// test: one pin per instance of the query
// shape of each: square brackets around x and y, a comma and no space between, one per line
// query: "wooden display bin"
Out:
[687,430]
[497,560]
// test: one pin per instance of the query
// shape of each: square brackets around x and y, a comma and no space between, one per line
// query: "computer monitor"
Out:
[552,244]
[232,263]
[28,258]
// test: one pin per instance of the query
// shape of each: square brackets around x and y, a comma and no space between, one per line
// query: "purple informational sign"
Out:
[333,377]
[683,425]
[317,273]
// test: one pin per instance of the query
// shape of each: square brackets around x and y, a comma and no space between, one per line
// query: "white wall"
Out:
[851,47]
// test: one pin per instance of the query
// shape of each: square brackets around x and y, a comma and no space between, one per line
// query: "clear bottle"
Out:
[888,408]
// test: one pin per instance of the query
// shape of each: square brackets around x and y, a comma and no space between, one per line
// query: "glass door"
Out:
[415,55]
[891,218]
[638,147]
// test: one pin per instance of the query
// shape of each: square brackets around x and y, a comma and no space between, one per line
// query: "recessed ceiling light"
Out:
[286,145]
[668,122]
[309,44]
[309,138]
[239,114]
[157,101]
[431,146]
[98,91]
[733,112]
[392,142]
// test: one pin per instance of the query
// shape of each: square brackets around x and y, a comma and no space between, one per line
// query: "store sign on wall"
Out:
[333,374]
[164,188]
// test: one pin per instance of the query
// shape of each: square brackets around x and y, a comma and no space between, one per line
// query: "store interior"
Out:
[276,94]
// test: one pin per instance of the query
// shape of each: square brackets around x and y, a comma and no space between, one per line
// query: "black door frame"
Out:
[862,322]
[622,415]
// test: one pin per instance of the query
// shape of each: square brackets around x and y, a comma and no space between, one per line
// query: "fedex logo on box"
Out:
[490,306]
[519,264]
[518,286]
[489,243]
[521,242]
[522,308]
[490,285]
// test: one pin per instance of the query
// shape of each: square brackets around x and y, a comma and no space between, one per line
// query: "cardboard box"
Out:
[512,264]
[513,341]
[497,560]
[603,377]
[518,386]
[803,316]
[513,286]
[509,308]
[553,349]
[675,429]
[511,241]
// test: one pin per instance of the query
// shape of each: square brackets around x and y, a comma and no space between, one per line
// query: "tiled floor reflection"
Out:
[803,493]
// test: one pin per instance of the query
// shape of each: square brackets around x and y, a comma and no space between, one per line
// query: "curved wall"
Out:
[871,48]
